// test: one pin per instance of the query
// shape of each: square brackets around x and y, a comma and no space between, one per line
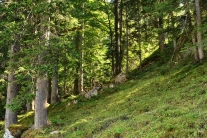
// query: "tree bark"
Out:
[54,84]
[64,76]
[40,119]
[127,43]
[120,35]
[199,34]
[82,55]
[41,103]
[49,89]
[118,56]
[111,40]
[12,88]
[161,37]
[76,81]
[139,39]
[195,49]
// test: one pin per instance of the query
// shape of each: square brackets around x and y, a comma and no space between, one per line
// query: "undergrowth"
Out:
[161,101]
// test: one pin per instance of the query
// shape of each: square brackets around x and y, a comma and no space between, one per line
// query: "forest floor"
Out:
[162,101]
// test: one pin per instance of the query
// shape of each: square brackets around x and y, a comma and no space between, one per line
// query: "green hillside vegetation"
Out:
[161,101]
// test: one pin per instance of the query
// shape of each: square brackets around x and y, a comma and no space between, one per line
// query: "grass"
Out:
[161,102]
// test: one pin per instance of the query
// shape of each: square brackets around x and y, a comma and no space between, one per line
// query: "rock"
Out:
[15,131]
[92,92]
[7,134]
[105,86]
[120,78]
[111,85]
[54,132]
[75,101]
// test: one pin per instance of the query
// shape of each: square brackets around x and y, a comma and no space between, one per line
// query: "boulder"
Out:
[92,92]
[8,134]
[14,131]
[120,78]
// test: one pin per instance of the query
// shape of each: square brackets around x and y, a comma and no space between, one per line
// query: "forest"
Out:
[62,59]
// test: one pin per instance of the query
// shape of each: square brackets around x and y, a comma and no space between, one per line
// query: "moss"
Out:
[17,129]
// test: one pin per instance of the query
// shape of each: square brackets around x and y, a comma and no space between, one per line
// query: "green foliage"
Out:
[2,99]
[3,86]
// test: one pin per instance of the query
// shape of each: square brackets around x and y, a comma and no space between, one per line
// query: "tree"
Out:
[12,88]
[127,42]
[40,119]
[118,34]
[111,46]
[54,83]
[199,33]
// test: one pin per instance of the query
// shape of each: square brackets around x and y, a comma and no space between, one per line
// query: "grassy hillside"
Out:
[162,101]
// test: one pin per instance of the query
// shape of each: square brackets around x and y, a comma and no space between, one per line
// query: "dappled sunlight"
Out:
[137,90]
[176,73]
[73,96]
[79,122]
[120,102]
[23,116]
[2,122]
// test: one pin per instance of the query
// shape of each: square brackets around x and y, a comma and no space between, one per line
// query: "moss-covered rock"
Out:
[17,130]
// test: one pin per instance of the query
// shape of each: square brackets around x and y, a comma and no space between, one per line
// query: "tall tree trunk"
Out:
[117,37]
[173,35]
[12,88]
[64,76]
[76,81]
[195,50]
[49,89]
[174,44]
[127,43]
[199,34]
[54,83]
[82,55]
[81,71]
[76,85]
[161,36]
[40,119]
[41,102]
[120,35]
[111,40]
[139,38]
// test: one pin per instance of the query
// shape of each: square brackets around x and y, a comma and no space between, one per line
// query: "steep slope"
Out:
[165,101]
